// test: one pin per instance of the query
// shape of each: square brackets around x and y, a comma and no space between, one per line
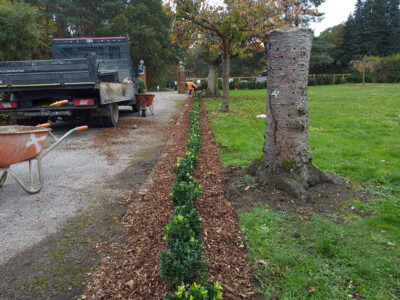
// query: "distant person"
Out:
[191,87]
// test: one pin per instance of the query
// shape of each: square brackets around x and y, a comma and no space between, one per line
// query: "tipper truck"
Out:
[88,78]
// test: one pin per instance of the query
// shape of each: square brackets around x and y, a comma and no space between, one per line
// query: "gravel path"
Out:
[89,169]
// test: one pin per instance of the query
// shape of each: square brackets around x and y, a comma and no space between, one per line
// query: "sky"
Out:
[336,12]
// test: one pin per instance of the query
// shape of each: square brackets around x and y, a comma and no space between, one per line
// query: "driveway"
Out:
[86,179]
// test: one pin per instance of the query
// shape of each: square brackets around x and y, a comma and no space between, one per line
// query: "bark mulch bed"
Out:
[221,236]
[130,269]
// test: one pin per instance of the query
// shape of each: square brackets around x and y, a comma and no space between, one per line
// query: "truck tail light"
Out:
[83,102]
[8,105]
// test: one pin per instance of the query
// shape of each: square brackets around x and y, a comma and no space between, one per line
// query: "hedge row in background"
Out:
[253,84]
[182,263]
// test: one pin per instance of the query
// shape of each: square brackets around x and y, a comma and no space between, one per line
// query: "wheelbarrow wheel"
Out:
[143,112]
[113,115]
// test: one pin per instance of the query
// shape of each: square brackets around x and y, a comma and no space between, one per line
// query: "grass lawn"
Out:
[355,132]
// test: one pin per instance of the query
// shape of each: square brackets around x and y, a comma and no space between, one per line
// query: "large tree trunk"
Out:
[287,159]
[225,79]
[212,85]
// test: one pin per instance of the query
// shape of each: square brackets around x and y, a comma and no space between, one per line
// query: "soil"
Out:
[328,200]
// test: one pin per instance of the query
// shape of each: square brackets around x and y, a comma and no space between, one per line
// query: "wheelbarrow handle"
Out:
[58,141]
[45,125]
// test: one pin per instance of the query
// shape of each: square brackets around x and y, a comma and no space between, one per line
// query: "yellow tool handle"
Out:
[59,103]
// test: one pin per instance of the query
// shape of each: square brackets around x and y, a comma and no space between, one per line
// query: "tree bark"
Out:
[287,159]
[212,83]
[225,78]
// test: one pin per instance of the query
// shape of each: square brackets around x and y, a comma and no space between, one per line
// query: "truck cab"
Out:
[88,78]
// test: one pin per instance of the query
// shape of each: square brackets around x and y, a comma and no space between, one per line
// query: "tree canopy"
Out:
[17,42]
[148,28]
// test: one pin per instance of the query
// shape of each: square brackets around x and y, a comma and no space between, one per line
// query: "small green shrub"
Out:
[185,192]
[232,85]
[179,230]
[142,85]
[311,81]
[196,292]
[183,261]
[192,216]
[4,117]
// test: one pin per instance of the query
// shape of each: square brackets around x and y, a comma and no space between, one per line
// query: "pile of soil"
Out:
[130,269]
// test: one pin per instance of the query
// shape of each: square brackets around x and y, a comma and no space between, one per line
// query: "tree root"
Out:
[296,183]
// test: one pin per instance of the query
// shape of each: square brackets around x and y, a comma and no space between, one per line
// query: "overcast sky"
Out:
[336,12]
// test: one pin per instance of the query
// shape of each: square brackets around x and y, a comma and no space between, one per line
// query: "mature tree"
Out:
[321,55]
[393,16]
[148,28]
[287,158]
[237,27]
[373,29]
[204,46]
[301,12]
[335,36]
[254,63]
[19,32]
[80,17]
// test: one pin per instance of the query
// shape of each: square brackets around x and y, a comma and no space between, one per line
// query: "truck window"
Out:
[83,52]
[68,50]
[114,52]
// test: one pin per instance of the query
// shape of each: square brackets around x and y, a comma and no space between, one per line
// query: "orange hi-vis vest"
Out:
[191,85]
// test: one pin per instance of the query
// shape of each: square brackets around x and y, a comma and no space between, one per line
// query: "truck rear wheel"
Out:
[113,115]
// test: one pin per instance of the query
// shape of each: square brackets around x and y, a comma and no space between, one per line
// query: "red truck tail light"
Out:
[8,105]
[83,102]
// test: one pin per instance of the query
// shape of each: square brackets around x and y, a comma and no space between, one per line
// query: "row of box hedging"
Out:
[182,264]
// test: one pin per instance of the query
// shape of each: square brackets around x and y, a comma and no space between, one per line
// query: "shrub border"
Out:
[183,263]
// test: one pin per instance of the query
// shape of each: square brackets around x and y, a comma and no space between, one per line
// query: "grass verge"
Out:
[354,133]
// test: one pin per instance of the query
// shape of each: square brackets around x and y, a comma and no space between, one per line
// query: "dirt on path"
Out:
[47,239]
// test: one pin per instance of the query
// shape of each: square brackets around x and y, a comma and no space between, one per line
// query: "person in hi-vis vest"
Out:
[191,86]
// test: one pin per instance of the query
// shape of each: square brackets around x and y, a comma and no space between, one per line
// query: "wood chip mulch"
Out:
[130,270]
[222,240]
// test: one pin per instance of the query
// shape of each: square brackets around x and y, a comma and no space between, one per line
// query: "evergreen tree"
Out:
[80,18]
[374,29]
[393,16]
[148,28]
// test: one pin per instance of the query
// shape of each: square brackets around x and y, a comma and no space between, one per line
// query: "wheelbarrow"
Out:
[25,143]
[144,101]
